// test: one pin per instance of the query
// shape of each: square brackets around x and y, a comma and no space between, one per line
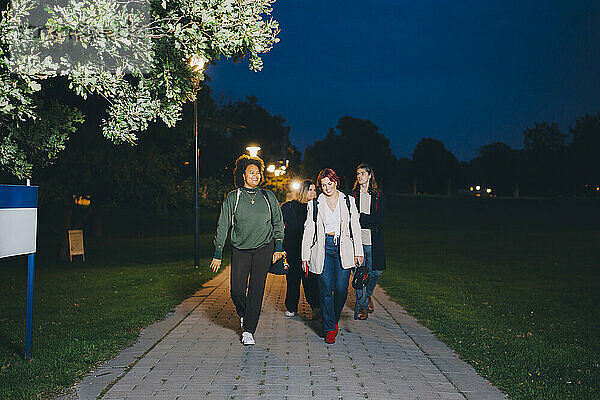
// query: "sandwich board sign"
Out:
[18,234]
[76,243]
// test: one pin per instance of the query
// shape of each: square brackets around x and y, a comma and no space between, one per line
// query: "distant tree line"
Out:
[551,163]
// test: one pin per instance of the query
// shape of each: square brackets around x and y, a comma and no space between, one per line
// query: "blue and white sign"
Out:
[18,231]
[18,220]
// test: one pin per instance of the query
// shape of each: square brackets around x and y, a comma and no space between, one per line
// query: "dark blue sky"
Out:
[467,73]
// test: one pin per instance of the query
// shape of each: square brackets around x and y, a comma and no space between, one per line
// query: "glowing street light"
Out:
[253,150]
[295,185]
[198,63]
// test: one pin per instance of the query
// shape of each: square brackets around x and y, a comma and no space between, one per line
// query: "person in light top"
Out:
[331,247]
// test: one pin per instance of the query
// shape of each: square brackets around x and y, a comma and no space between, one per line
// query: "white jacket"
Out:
[349,248]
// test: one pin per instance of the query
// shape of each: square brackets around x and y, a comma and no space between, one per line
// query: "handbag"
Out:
[281,266]
[361,275]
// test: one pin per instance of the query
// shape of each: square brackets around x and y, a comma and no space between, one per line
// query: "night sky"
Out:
[467,73]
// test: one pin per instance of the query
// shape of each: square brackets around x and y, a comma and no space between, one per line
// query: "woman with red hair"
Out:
[331,247]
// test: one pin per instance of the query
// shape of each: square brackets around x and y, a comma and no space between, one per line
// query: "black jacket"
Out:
[374,222]
[294,216]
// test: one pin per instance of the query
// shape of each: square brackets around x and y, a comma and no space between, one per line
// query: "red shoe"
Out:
[336,329]
[330,337]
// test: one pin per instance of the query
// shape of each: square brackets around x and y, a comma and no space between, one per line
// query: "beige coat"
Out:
[349,248]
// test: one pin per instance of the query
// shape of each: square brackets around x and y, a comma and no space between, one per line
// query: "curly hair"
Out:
[240,168]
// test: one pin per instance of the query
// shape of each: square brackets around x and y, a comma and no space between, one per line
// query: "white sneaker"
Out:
[242,322]
[289,313]
[247,338]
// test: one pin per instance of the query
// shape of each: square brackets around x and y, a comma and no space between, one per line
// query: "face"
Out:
[328,186]
[362,176]
[312,192]
[252,176]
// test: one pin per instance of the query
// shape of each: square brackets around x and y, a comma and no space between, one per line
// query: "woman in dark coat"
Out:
[294,216]
[371,205]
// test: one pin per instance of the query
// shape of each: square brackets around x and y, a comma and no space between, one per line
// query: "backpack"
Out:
[361,274]
[281,267]
[237,199]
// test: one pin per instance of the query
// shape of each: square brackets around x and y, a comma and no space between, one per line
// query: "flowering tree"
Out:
[133,53]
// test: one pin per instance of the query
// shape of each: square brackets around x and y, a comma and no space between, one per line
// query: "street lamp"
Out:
[197,64]
[253,150]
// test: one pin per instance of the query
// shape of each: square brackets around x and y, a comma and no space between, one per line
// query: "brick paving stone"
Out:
[196,354]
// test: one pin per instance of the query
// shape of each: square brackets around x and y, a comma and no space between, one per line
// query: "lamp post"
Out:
[197,63]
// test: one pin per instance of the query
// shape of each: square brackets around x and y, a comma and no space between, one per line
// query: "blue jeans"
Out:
[333,285]
[362,295]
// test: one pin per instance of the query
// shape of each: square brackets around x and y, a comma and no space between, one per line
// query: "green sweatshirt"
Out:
[253,227]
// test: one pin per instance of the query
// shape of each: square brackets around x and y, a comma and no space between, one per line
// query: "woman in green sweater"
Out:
[256,225]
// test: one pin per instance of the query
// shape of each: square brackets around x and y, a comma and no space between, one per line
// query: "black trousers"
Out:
[247,294]
[311,287]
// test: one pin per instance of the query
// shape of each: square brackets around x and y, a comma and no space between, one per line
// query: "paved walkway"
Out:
[196,354]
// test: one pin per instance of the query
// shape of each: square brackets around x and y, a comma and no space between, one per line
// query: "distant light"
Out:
[186,163]
[82,200]
[488,190]
[597,188]
[295,185]
[253,150]
[471,188]
[271,168]
[283,167]
[478,187]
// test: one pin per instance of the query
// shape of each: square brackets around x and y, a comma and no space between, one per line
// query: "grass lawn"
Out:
[85,313]
[511,285]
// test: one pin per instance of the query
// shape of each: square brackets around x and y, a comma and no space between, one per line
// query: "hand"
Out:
[358,260]
[305,267]
[276,256]
[215,264]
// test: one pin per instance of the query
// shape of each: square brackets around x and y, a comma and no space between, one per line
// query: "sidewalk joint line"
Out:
[418,345]
[130,366]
